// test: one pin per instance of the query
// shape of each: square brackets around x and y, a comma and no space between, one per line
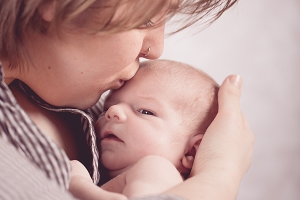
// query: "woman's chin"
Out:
[84,104]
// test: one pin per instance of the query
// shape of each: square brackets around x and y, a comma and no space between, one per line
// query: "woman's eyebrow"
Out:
[173,7]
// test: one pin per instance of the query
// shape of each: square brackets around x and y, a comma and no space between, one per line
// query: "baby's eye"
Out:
[146,112]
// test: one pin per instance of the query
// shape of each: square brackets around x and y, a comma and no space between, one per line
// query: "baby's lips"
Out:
[110,134]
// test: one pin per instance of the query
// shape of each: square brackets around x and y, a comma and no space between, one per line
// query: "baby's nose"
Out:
[115,112]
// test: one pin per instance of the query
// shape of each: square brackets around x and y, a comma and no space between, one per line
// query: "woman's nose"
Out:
[115,112]
[153,44]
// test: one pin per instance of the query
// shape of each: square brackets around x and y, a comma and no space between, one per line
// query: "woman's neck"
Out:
[57,126]
[9,74]
[8,80]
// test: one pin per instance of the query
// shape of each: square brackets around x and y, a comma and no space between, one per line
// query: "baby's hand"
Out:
[82,186]
[78,169]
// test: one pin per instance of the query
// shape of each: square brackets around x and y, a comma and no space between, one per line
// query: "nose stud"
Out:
[148,51]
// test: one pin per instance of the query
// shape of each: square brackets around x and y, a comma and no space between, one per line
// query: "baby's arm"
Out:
[149,176]
[82,187]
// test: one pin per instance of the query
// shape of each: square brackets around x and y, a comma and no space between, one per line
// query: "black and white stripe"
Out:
[19,179]
[21,132]
[87,122]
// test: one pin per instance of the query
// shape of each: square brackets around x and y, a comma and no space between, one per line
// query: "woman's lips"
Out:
[119,84]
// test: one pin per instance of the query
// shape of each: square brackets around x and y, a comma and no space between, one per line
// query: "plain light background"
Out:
[260,40]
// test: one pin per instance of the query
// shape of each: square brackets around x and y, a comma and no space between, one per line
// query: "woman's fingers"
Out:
[250,138]
[228,142]
[229,93]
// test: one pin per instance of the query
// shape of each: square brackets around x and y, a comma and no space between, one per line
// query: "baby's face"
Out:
[140,121]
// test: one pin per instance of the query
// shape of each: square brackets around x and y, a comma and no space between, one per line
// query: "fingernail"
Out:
[235,79]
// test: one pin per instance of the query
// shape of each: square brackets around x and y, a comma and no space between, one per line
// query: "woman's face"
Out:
[75,69]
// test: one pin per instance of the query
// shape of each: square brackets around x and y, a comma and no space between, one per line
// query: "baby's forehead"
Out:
[172,87]
[159,73]
[144,85]
[169,75]
[160,80]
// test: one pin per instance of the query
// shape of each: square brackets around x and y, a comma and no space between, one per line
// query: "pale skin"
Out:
[149,176]
[205,175]
[145,109]
[70,59]
[142,119]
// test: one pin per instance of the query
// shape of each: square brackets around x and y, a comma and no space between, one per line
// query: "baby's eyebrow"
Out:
[151,99]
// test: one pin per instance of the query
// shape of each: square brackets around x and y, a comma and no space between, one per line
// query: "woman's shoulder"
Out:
[18,129]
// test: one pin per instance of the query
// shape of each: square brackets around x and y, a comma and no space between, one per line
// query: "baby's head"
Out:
[163,110]
[191,92]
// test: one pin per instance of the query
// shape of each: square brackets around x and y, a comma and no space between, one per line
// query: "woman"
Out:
[59,57]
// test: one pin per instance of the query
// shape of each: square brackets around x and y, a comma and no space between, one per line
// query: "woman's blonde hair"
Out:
[95,16]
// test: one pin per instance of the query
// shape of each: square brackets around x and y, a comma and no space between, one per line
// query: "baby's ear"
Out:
[47,11]
[193,145]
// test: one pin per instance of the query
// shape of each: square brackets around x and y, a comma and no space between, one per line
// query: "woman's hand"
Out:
[225,152]
[228,142]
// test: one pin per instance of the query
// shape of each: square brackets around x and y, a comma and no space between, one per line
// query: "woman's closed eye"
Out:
[146,112]
[149,24]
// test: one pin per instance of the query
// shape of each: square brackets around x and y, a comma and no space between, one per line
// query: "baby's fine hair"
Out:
[195,91]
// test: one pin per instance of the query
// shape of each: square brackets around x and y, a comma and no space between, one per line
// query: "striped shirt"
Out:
[32,165]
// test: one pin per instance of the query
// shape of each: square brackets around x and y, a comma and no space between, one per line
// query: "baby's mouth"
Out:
[111,136]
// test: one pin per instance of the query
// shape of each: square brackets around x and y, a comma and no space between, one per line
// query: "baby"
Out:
[152,127]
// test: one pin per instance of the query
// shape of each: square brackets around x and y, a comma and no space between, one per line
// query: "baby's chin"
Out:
[115,165]
[114,173]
